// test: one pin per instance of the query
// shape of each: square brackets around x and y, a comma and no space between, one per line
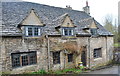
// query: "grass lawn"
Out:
[117,45]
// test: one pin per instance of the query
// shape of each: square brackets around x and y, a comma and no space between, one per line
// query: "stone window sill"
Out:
[97,59]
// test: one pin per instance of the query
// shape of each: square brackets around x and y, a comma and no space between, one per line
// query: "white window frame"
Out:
[33,31]
[68,29]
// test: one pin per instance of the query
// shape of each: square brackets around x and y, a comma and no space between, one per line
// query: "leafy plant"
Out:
[40,72]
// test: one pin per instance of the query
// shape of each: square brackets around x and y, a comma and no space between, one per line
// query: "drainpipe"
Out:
[48,51]
[89,50]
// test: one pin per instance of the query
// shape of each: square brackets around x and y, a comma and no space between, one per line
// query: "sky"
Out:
[99,9]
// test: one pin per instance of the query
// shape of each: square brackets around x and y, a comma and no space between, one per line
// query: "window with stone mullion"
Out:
[23,59]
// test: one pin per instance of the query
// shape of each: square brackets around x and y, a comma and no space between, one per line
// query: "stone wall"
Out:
[56,45]
[110,48]
[106,44]
[19,44]
[1,54]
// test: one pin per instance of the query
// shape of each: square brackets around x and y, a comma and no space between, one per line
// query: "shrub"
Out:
[40,72]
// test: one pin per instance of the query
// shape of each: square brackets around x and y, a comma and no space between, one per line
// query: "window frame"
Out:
[56,57]
[69,29]
[21,60]
[33,31]
[97,53]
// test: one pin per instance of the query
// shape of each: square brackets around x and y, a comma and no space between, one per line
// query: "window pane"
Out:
[70,32]
[93,31]
[56,57]
[65,31]
[97,53]
[24,60]
[70,57]
[30,31]
[36,31]
[33,58]
[15,60]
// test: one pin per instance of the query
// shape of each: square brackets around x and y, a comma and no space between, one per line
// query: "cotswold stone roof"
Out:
[14,12]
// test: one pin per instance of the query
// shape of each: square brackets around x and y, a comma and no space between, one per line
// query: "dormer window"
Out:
[68,31]
[93,28]
[93,31]
[31,24]
[32,31]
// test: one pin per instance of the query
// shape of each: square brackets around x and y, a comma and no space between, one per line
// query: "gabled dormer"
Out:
[93,28]
[66,25]
[67,22]
[31,25]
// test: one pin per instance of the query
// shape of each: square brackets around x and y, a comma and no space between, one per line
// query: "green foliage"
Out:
[72,70]
[64,71]
[81,67]
[108,25]
[117,45]
[40,72]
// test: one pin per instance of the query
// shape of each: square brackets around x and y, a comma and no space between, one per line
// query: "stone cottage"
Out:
[36,36]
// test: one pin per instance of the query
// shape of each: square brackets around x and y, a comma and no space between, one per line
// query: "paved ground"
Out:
[111,70]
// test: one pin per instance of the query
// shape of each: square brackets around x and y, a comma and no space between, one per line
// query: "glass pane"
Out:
[36,31]
[56,57]
[24,60]
[15,60]
[70,32]
[93,31]
[97,53]
[65,31]
[30,32]
[70,57]
[33,58]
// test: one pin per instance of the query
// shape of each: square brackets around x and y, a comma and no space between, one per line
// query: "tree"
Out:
[108,24]
[119,33]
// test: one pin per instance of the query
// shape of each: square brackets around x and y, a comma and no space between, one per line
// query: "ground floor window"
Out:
[56,57]
[70,57]
[97,53]
[23,58]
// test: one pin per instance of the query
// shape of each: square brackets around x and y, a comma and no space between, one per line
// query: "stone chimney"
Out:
[86,9]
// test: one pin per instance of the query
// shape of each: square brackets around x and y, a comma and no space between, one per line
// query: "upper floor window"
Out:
[93,31]
[23,59]
[68,31]
[32,31]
